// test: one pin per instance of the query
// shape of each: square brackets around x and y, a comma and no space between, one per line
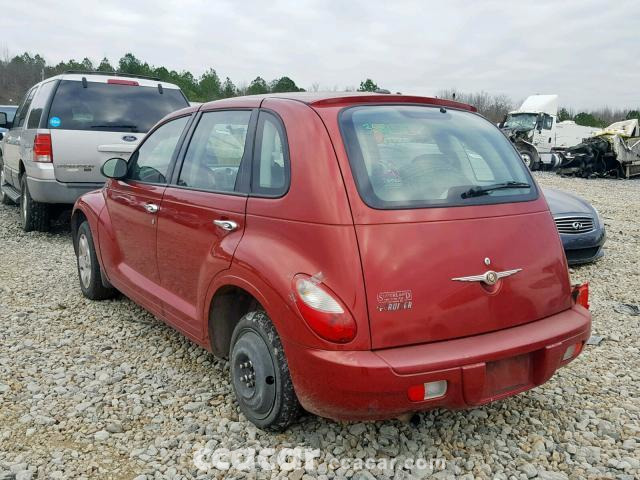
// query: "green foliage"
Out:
[209,86]
[257,86]
[588,120]
[368,86]
[564,114]
[228,89]
[284,84]
[633,114]
[105,66]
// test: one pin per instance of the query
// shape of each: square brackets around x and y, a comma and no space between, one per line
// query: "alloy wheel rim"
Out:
[84,260]
[526,158]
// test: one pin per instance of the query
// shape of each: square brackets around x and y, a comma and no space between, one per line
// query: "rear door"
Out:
[202,216]
[92,121]
[442,258]
[13,149]
[133,204]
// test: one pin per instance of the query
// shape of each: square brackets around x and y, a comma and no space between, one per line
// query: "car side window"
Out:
[548,122]
[150,163]
[38,104]
[21,114]
[270,176]
[215,152]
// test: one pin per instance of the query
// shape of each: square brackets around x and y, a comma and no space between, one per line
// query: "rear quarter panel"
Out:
[309,230]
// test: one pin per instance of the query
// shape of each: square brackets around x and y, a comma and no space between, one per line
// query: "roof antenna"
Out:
[453,96]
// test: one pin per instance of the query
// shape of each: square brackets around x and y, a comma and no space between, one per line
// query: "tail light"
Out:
[324,314]
[580,294]
[427,391]
[42,151]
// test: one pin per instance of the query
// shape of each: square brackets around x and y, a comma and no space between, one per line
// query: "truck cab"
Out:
[535,131]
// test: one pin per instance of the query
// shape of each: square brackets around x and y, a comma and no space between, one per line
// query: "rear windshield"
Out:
[111,107]
[419,156]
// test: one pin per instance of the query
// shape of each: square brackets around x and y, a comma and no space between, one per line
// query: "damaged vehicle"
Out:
[362,256]
[579,225]
[538,136]
[615,153]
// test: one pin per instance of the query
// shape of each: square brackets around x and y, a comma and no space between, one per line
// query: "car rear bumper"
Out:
[52,191]
[362,385]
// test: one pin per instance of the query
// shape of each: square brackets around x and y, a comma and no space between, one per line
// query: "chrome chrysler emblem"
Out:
[489,277]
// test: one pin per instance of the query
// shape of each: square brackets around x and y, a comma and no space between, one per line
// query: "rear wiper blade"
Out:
[478,191]
[134,128]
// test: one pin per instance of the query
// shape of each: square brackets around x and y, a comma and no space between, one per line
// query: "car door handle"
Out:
[227,225]
[151,207]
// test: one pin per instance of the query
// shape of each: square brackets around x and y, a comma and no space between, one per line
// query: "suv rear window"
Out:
[409,156]
[111,107]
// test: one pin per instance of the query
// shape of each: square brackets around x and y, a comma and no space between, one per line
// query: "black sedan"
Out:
[580,226]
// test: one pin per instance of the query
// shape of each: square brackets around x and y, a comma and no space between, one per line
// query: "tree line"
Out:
[19,73]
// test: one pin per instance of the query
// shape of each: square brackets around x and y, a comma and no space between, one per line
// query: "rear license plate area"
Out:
[507,375]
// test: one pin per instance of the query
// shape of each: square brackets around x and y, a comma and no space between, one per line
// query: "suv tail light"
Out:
[42,151]
[322,311]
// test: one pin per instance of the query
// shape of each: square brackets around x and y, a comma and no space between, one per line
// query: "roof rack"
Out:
[116,74]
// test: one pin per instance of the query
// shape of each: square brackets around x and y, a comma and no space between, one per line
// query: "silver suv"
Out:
[64,130]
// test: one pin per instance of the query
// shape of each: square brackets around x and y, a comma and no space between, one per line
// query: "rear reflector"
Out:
[572,351]
[580,294]
[119,81]
[427,391]
[42,151]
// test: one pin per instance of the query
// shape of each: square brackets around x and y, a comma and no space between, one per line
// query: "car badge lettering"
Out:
[129,138]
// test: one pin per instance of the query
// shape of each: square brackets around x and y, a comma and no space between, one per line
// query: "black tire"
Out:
[530,159]
[34,215]
[88,267]
[267,398]
[4,199]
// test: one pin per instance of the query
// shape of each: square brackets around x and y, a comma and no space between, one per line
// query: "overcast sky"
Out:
[586,51]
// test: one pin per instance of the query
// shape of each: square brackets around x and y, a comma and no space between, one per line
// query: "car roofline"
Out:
[326,99]
[103,77]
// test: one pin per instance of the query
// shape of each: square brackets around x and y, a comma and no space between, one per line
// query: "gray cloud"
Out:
[584,50]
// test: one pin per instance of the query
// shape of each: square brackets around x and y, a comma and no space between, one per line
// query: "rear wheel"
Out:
[88,266]
[260,374]
[4,198]
[34,215]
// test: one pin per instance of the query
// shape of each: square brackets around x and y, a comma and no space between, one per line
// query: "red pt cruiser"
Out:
[361,256]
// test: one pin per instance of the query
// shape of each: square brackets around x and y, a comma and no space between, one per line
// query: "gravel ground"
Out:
[104,390]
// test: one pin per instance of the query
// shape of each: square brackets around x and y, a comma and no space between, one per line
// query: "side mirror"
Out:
[115,168]
[1,135]
[4,123]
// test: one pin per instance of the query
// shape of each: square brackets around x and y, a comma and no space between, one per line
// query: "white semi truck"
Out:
[535,131]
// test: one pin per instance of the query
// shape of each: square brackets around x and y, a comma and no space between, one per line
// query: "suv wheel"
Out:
[88,266]
[35,215]
[260,374]
[4,198]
